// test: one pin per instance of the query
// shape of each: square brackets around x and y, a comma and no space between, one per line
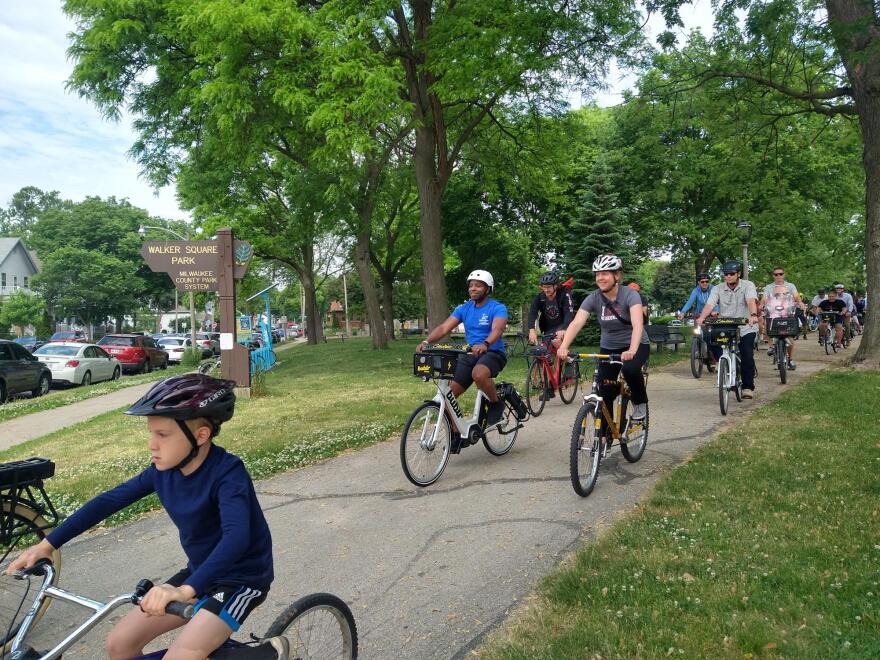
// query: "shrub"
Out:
[192,357]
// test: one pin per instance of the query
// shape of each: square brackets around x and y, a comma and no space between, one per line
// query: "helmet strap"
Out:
[192,440]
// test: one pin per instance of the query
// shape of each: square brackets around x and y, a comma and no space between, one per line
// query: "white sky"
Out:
[52,139]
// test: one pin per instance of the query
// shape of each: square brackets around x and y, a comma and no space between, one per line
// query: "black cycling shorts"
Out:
[231,601]
[493,360]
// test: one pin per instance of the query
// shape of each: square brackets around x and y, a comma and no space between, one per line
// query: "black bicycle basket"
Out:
[785,326]
[435,363]
[720,334]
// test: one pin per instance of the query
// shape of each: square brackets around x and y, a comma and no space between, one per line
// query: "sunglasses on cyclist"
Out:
[728,274]
[778,274]
[704,281]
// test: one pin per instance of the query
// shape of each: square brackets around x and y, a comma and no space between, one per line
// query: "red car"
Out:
[70,335]
[135,352]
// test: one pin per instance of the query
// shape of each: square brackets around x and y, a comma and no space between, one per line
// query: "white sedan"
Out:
[175,347]
[72,362]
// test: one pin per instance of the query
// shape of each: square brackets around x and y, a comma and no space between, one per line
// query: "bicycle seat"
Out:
[23,473]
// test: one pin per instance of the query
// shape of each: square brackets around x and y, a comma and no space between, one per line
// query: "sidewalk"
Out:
[21,429]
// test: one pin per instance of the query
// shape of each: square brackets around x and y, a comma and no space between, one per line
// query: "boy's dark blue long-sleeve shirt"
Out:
[215,509]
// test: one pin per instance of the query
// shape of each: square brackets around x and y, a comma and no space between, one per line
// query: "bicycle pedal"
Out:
[28,653]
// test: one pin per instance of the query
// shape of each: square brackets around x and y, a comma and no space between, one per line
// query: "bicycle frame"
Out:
[614,422]
[101,611]
[731,355]
[447,401]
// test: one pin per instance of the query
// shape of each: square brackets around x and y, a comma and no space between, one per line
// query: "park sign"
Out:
[194,265]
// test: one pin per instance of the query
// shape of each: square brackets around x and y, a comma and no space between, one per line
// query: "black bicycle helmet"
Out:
[191,396]
[550,277]
[731,266]
[702,276]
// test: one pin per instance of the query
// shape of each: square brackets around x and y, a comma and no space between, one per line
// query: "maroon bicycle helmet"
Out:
[188,397]
[191,396]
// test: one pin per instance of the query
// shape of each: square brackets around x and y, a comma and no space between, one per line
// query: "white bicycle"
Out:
[724,332]
[438,428]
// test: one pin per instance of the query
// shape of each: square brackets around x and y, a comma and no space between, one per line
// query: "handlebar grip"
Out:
[183,610]
[39,568]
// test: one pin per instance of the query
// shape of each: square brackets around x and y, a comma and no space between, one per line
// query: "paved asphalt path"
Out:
[21,429]
[429,572]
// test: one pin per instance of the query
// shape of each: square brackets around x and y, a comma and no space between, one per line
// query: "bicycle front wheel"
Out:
[723,391]
[696,357]
[28,527]
[827,342]
[425,444]
[782,360]
[571,379]
[536,388]
[318,626]
[586,450]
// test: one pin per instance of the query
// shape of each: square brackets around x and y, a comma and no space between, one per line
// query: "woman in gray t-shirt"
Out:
[620,313]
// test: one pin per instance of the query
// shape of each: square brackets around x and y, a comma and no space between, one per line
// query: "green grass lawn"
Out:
[320,400]
[766,544]
[68,395]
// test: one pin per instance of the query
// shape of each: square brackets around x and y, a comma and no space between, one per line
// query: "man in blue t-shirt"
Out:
[484,322]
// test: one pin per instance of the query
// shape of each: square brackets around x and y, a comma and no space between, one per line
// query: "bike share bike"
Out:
[438,427]
[319,625]
[700,356]
[596,428]
[781,325]
[546,375]
[724,332]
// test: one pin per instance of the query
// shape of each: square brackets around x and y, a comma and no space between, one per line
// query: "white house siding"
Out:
[15,265]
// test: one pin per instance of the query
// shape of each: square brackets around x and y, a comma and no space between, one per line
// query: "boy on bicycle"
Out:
[210,497]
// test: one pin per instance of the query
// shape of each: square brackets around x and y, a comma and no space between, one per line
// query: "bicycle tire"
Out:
[633,449]
[506,432]
[696,358]
[826,342]
[29,527]
[586,443]
[536,388]
[723,392]
[303,623]
[415,453]
[782,362]
[571,380]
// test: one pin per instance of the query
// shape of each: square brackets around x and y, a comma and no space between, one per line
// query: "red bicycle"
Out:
[546,376]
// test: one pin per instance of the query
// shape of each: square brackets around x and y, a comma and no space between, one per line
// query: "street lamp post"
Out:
[744,229]
[142,231]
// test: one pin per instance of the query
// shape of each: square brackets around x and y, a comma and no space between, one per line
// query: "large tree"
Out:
[25,208]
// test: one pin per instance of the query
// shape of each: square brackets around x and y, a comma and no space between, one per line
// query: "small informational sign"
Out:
[227,341]
[209,306]
[244,322]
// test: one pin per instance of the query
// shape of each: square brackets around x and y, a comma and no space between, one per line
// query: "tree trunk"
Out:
[388,305]
[371,298]
[314,327]
[853,26]
[430,195]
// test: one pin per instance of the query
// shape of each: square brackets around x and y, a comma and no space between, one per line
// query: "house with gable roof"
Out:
[18,265]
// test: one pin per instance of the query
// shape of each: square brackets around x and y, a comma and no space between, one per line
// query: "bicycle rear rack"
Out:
[21,483]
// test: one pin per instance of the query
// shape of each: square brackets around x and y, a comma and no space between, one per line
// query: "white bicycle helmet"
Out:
[483,276]
[607,262]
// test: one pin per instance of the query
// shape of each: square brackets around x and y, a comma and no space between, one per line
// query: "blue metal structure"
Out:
[263,359]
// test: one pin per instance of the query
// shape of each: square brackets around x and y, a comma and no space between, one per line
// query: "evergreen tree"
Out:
[598,227]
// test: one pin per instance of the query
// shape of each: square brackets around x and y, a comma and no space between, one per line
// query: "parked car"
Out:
[75,363]
[294,330]
[177,345]
[30,343]
[70,335]
[205,339]
[135,352]
[21,372]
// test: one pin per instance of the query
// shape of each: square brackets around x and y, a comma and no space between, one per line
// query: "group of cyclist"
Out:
[621,312]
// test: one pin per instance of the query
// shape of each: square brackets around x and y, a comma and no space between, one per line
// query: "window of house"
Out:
[25,281]
[15,281]
[3,280]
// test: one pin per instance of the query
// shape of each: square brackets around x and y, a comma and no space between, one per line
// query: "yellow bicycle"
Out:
[596,428]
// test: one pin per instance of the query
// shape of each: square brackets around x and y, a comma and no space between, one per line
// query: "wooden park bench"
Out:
[666,335]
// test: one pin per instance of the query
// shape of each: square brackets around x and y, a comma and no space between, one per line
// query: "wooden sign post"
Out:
[210,266]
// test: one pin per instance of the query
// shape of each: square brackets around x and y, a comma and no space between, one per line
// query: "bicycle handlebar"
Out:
[613,358]
[183,610]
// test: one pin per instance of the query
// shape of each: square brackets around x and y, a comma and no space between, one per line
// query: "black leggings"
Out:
[632,374]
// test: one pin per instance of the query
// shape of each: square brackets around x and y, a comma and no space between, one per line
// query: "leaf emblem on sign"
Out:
[242,254]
